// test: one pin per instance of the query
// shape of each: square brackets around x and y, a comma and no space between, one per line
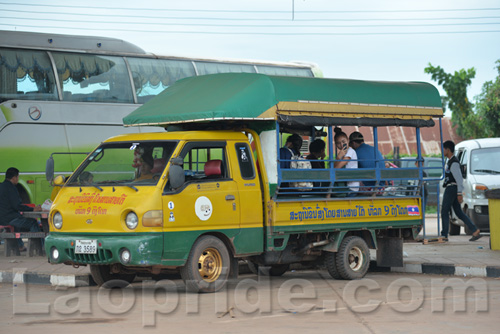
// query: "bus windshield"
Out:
[124,163]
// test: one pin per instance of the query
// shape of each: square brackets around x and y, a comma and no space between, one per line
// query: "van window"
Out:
[245,161]
[465,158]
[485,161]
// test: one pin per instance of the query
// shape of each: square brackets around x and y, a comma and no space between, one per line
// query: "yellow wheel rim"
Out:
[210,265]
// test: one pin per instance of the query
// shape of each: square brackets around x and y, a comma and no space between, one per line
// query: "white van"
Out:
[480,159]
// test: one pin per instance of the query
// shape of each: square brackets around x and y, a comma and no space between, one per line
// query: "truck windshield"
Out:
[485,161]
[124,163]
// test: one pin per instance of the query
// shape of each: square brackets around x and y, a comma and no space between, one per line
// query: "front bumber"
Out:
[145,248]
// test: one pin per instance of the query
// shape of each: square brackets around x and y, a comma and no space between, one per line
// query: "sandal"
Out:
[476,237]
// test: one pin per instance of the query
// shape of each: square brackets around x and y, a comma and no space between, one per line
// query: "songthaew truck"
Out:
[213,189]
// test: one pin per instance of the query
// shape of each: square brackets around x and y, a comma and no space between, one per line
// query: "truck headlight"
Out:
[478,190]
[131,220]
[57,221]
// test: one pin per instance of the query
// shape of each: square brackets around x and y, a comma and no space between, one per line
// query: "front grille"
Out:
[103,256]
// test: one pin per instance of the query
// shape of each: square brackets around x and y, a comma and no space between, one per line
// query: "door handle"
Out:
[230,198]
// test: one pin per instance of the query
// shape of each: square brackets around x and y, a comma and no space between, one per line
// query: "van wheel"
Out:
[274,270]
[454,229]
[208,265]
[331,265]
[353,258]
[103,277]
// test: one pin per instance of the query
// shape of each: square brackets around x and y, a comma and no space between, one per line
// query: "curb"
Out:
[442,269]
[21,276]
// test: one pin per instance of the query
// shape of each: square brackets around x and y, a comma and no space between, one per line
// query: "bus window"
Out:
[285,71]
[26,75]
[152,76]
[93,78]
[212,68]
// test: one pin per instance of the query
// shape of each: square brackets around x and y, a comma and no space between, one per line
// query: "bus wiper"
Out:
[490,171]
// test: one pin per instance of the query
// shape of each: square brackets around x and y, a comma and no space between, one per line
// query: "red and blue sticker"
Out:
[413,210]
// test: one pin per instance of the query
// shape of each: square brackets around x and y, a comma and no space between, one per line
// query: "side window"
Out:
[204,163]
[464,162]
[464,158]
[245,161]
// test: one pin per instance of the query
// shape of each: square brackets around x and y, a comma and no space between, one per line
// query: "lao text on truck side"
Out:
[210,190]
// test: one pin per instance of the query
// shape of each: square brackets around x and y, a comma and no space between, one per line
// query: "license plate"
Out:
[85,246]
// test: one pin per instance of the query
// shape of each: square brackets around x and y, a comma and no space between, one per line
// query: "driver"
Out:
[146,167]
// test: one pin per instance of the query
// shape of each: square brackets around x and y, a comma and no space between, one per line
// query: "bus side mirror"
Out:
[49,169]
[176,175]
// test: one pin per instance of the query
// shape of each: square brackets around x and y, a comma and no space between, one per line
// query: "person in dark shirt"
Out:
[316,156]
[11,206]
[452,197]
[317,153]
[290,149]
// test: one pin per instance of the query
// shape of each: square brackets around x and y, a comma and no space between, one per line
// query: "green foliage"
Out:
[455,87]
[473,121]
[488,107]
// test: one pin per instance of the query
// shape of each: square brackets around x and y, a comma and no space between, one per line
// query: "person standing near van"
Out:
[452,197]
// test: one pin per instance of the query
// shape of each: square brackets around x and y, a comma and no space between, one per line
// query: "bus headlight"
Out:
[478,191]
[131,220]
[57,221]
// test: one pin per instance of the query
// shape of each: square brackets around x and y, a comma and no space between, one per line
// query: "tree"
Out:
[473,121]
[488,107]
[455,87]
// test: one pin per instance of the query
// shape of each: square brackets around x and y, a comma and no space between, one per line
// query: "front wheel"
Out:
[103,277]
[208,265]
[353,258]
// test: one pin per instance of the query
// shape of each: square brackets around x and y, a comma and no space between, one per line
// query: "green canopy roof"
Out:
[248,96]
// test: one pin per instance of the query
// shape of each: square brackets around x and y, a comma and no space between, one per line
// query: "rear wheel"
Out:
[331,264]
[353,258]
[208,265]
[103,276]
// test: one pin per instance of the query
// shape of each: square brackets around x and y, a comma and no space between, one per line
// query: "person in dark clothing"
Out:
[11,205]
[452,197]
[317,153]
[290,149]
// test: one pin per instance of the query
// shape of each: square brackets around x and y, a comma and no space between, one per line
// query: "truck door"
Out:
[208,201]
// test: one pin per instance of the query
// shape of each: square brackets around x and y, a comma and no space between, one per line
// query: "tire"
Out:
[274,270]
[353,258]
[208,265]
[331,265]
[454,229]
[103,277]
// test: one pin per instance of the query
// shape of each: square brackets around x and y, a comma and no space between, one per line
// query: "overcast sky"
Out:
[366,39]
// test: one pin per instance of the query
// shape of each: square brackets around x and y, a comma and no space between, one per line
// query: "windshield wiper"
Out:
[92,185]
[131,186]
[490,171]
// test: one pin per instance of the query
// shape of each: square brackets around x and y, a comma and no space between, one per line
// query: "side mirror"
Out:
[176,175]
[464,171]
[49,169]
[59,181]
